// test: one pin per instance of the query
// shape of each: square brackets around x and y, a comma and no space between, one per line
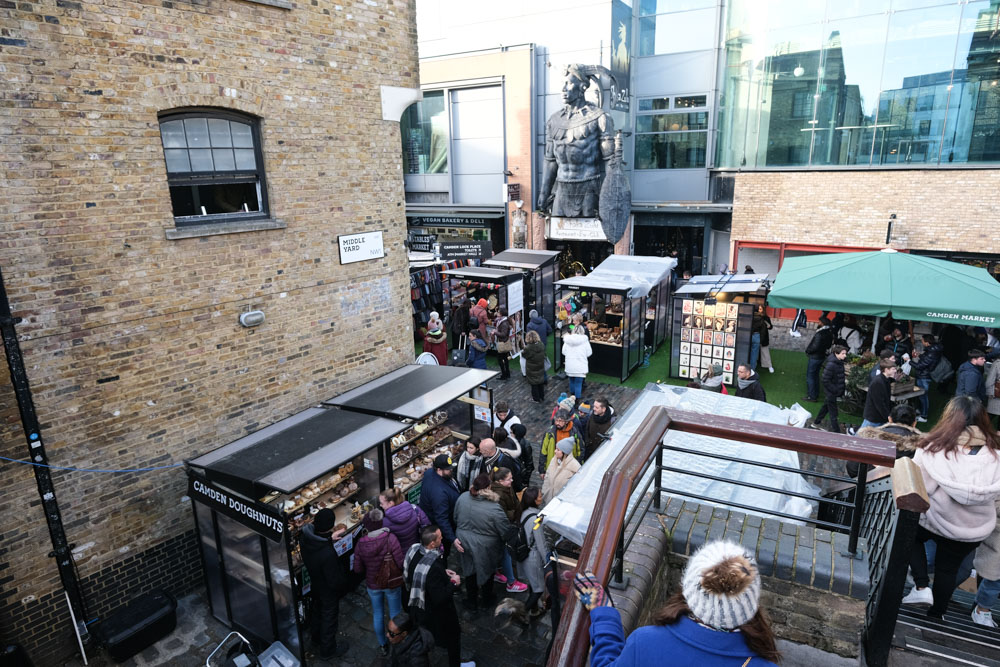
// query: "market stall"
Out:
[499,287]
[540,269]
[252,497]
[712,318]
[614,300]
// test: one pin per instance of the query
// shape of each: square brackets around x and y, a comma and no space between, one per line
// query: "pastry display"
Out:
[605,334]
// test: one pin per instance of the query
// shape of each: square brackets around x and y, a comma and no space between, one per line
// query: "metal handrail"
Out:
[604,541]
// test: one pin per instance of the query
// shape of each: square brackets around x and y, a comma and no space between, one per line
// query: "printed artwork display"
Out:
[708,335]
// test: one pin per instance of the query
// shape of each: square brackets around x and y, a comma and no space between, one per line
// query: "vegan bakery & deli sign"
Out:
[270,524]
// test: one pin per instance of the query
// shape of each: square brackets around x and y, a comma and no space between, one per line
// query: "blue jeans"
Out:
[755,350]
[507,567]
[379,597]
[925,402]
[576,387]
[988,593]
[812,377]
[868,423]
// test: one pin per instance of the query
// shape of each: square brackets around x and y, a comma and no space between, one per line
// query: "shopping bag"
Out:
[524,366]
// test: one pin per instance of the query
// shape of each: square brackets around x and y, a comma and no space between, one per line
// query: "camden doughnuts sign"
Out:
[270,525]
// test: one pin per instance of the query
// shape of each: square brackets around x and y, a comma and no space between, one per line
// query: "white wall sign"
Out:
[515,297]
[359,247]
[576,229]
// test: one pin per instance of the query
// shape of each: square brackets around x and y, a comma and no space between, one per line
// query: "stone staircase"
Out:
[953,640]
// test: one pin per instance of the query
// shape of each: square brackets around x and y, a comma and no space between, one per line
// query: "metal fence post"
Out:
[859,505]
[658,484]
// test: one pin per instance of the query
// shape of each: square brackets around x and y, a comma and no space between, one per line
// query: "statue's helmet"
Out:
[579,73]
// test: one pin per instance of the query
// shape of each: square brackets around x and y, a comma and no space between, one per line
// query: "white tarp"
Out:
[637,274]
[569,513]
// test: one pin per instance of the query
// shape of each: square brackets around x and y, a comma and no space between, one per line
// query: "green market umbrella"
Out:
[912,287]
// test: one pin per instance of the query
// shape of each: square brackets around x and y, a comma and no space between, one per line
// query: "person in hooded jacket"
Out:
[438,494]
[401,518]
[921,367]
[532,568]
[460,323]
[900,429]
[494,458]
[576,350]
[502,337]
[476,356]
[562,427]
[481,526]
[369,552]
[482,317]
[970,377]
[600,421]
[534,365]
[436,342]
[834,386]
[816,352]
[960,462]
[510,446]
[711,379]
[468,464]
[748,384]
[330,581]
[527,458]
[411,644]
[539,326]
[503,479]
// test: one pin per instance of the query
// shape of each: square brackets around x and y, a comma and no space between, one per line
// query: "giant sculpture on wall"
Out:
[580,153]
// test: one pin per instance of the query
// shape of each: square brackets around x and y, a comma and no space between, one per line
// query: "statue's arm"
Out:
[606,136]
[549,170]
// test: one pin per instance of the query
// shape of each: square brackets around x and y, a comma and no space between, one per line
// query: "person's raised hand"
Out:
[589,590]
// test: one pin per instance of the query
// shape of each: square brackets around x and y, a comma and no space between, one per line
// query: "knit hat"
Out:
[532,313]
[324,520]
[481,303]
[373,520]
[565,446]
[721,585]
[568,403]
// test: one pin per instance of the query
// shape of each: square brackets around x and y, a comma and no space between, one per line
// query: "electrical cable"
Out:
[44,465]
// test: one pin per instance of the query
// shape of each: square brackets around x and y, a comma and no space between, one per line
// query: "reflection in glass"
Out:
[690,101]
[681,150]
[859,85]
[655,103]
[677,33]
[424,129]
[672,122]
[650,7]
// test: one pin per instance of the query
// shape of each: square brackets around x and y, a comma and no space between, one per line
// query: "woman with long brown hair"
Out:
[960,462]
[714,621]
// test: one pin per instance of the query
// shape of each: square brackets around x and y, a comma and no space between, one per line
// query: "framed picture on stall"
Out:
[686,335]
[709,310]
[730,340]
[685,360]
[699,307]
[687,306]
[685,348]
[706,338]
[729,353]
[717,352]
[732,310]
[696,349]
[727,378]
[727,366]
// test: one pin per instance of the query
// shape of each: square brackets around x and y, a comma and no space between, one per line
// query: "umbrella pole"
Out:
[875,333]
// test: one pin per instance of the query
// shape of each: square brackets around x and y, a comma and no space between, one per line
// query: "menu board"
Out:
[709,333]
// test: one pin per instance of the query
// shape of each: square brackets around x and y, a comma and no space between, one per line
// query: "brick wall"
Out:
[131,340]
[935,209]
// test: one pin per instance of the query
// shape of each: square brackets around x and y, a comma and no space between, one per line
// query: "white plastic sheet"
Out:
[569,513]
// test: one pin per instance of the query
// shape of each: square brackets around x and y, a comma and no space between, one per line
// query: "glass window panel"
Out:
[682,150]
[424,131]
[223,158]
[201,160]
[177,160]
[654,104]
[242,135]
[846,9]
[973,120]
[848,79]
[197,132]
[672,122]
[690,101]
[788,13]
[172,133]
[919,55]
[245,159]
[677,33]
[898,5]
[218,131]
[650,7]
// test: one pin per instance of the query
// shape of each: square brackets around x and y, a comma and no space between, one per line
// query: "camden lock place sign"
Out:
[266,523]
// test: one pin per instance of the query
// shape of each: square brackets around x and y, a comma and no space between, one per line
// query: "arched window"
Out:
[214,164]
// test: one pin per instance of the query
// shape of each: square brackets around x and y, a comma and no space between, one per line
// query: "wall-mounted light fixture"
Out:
[252,318]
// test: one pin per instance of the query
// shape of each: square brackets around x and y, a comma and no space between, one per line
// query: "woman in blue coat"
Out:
[477,351]
[715,621]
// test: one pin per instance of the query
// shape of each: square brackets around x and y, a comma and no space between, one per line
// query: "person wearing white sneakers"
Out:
[762,324]
[960,462]
[987,564]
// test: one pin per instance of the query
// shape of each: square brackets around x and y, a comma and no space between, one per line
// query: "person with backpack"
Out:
[848,336]
[921,366]
[502,335]
[834,386]
[379,558]
[502,481]
[481,526]
[526,459]
[401,518]
[481,317]
[817,351]
[537,549]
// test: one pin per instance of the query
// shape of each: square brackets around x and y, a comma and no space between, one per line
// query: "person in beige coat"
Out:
[993,402]
[560,470]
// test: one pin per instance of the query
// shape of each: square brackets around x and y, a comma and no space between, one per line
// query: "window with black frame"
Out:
[215,168]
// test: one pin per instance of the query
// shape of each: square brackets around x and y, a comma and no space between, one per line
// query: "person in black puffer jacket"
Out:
[816,351]
[527,458]
[900,430]
[835,386]
[921,367]
[330,581]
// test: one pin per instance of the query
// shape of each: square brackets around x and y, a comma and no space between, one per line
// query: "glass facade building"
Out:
[859,83]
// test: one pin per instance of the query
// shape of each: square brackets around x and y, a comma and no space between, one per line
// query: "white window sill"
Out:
[217,228]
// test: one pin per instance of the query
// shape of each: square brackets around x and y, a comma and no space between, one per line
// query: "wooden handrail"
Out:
[571,644]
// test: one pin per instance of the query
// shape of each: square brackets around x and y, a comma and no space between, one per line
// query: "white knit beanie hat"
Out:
[724,600]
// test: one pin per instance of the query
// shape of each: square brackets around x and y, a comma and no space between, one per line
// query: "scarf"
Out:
[603,419]
[427,558]
[466,464]
[745,383]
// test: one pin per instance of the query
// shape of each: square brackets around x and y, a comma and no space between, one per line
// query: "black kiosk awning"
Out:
[413,391]
[483,275]
[522,259]
[290,453]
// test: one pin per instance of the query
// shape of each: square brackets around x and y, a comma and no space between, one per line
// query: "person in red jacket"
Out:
[369,553]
